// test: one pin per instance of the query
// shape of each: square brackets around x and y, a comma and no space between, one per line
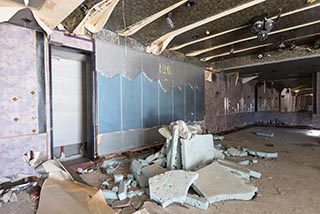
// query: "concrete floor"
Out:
[289,184]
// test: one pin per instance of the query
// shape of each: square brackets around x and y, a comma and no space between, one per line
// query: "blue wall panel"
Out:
[109,115]
[190,103]
[131,103]
[165,107]
[178,98]
[150,102]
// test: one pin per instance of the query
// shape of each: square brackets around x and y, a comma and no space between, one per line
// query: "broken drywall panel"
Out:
[153,170]
[197,201]
[132,63]
[109,58]
[179,77]
[263,154]
[217,184]
[19,102]
[239,170]
[109,113]
[174,154]
[171,186]
[197,151]
[150,66]
[265,134]
[14,164]
[115,59]
[58,37]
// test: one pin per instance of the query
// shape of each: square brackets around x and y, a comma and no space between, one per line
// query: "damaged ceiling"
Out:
[208,30]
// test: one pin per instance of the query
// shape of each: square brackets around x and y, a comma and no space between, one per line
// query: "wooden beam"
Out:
[132,29]
[158,46]
[239,28]
[202,51]
[96,17]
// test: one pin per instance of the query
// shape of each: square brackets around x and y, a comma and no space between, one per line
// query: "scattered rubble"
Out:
[217,184]
[265,134]
[197,201]
[236,152]
[197,151]
[218,138]
[238,170]
[171,186]
[263,154]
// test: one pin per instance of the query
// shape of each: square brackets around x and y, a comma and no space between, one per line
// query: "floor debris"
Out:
[240,171]
[265,134]
[122,192]
[73,196]
[218,138]
[196,201]
[197,151]
[217,184]
[263,154]
[171,186]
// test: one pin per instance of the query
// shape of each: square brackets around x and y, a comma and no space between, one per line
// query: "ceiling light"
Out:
[262,26]
[241,27]
[207,32]
[198,52]
[260,55]
[262,35]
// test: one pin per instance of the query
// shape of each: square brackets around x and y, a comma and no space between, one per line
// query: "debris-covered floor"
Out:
[289,183]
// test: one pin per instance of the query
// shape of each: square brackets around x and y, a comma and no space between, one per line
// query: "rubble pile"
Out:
[189,169]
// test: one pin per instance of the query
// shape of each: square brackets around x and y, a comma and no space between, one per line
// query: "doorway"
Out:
[71,80]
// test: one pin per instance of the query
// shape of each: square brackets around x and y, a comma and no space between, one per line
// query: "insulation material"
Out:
[19,102]
[74,197]
[48,16]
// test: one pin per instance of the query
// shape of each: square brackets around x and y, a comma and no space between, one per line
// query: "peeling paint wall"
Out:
[228,103]
[22,99]
[268,98]
[138,92]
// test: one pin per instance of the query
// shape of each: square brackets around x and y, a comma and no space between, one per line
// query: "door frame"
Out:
[89,96]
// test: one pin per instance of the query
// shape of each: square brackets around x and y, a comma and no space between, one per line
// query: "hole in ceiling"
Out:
[190,3]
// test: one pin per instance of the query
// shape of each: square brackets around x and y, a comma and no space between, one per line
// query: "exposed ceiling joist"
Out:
[205,59]
[241,27]
[237,51]
[132,29]
[158,46]
[202,51]
[96,17]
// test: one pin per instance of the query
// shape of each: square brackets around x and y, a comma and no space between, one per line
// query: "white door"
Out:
[68,99]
